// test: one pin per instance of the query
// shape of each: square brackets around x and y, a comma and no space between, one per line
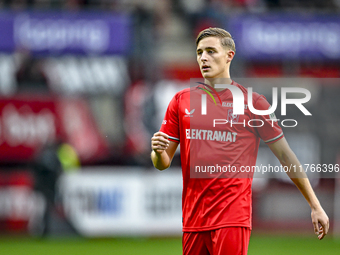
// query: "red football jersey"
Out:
[216,149]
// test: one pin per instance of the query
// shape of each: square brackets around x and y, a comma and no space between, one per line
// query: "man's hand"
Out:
[159,142]
[163,150]
[320,222]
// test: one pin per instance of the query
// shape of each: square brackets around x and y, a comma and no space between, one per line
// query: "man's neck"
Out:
[212,82]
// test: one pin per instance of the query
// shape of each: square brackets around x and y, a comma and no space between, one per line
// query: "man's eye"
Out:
[210,51]
[199,53]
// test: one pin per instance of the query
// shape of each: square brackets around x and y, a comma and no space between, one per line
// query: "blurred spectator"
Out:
[47,169]
[50,163]
[68,158]
[30,76]
[150,21]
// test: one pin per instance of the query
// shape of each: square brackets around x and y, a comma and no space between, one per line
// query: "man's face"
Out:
[213,58]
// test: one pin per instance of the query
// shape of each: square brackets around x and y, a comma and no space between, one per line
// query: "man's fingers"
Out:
[156,143]
[322,233]
[320,223]
[327,227]
[161,134]
[160,141]
[323,230]
[316,227]
[160,138]
[321,236]
[159,148]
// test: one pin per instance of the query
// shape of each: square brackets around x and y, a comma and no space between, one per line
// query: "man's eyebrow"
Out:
[207,48]
[210,48]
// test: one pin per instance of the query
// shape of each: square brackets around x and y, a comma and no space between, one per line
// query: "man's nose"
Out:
[204,56]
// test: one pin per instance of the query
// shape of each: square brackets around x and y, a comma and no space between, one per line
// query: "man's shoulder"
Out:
[185,92]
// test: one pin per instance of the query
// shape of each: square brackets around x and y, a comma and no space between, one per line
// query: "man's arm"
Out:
[288,158]
[163,150]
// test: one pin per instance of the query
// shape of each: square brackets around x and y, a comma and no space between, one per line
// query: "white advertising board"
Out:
[123,201]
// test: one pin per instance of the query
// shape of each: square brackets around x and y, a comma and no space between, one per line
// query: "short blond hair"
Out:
[225,37]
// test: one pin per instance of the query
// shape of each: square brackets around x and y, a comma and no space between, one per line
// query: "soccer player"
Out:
[216,205]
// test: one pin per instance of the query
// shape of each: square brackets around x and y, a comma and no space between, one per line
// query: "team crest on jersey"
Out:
[232,117]
[189,114]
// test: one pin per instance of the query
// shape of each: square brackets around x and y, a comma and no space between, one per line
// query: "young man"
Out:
[217,206]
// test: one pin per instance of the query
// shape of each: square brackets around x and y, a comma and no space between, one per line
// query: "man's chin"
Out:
[207,75]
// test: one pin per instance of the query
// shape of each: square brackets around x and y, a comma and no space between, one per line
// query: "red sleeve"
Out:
[270,131]
[170,124]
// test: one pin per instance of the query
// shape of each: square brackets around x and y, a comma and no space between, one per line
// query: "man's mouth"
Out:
[205,68]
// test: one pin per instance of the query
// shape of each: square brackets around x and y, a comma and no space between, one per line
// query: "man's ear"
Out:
[230,55]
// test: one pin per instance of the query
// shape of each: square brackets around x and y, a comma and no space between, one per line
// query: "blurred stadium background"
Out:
[85,83]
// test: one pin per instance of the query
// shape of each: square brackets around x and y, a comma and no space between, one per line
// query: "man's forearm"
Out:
[297,174]
[306,189]
[160,160]
[300,179]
